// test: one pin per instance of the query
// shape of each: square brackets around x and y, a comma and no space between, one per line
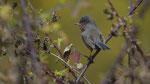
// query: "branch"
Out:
[109,37]
[52,74]
[114,11]
[70,66]
[36,64]
[55,46]
[133,9]
[32,8]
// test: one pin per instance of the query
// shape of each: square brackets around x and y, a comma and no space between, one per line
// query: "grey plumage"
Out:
[92,37]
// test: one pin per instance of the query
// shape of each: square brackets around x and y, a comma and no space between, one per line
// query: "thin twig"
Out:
[109,37]
[52,74]
[69,66]
[133,9]
[114,11]
[32,8]
[55,46]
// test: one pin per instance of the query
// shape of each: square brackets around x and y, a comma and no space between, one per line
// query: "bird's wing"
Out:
[101,38]
[101,44]
[88,42]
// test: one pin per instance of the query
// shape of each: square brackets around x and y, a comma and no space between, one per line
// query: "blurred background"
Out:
[72,10]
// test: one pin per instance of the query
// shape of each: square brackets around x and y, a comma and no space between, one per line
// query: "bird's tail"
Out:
[102,46]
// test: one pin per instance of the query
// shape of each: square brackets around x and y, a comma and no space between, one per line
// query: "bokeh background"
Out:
[72,11]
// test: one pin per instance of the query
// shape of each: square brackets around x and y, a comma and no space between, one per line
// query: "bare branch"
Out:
[114,11]
[133,9]
[32,8]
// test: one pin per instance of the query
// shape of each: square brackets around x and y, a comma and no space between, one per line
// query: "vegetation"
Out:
[32,43]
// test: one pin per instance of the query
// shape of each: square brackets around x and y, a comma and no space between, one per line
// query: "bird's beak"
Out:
[77,24]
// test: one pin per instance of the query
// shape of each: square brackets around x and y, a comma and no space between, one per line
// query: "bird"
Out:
[91,35]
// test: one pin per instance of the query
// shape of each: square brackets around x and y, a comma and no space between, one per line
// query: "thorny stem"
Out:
[109,37]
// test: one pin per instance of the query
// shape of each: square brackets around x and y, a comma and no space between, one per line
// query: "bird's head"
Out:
[84,21]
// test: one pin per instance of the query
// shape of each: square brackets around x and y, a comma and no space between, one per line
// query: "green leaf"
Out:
[30,74]
[61,73]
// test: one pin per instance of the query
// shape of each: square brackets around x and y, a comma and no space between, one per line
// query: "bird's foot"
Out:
[89,58]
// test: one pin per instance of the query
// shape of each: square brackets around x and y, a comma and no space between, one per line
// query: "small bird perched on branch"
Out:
[91,35]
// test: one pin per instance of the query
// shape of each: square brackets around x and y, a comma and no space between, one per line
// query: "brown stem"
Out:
[52,74]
